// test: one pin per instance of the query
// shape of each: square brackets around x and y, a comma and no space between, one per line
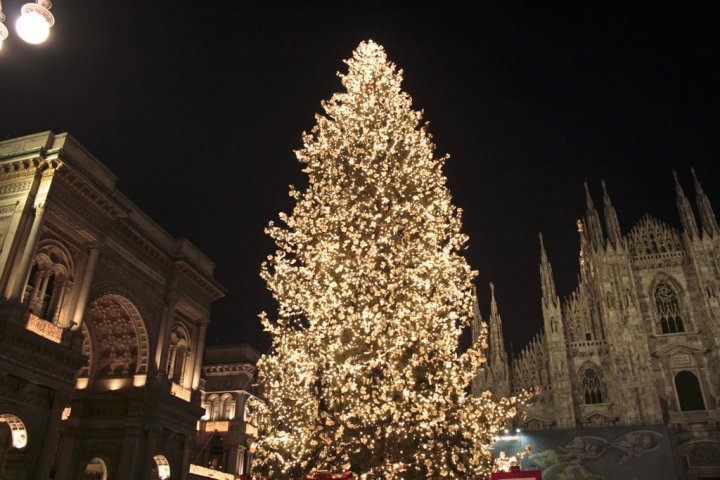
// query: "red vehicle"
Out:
[325,475]
[536,474]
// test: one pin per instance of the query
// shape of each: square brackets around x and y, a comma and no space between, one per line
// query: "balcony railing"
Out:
[180,391]
[44,328]
[217,426]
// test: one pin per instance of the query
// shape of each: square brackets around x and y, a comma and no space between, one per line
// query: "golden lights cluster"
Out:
[373,295]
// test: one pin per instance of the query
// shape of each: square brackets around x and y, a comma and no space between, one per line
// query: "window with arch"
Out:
[48,283]
[215,407]
[179,354]
[96,469]
[206,405]
[18,432]
[591,387]
[668,309]
[162,468]
[689,392]
[228,406]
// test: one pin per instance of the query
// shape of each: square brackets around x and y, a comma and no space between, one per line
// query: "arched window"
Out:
[18,431]
[49,280]
[162,468]
[96,469]
[228,408]
[591,387]
[215,407]
[689,392]
[179,354]
[206,405]
[668,308]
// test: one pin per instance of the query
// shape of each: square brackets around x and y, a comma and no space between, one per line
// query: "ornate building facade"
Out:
[103,319]
[228,427]
[638,340]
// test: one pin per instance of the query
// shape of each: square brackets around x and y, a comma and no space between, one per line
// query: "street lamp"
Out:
[35,21]
[3,28]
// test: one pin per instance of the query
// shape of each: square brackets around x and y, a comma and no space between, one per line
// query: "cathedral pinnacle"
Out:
[707,216]
[594,229]
[547,283]
[497,341]
[687,217]
[611,220]
[493,303]
[588,198]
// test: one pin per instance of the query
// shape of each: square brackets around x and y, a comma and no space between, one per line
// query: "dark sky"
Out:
[198,105]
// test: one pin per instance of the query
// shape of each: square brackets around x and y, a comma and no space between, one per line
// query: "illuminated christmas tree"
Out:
[373,295]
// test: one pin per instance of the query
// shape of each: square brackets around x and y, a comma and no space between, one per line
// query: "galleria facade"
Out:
[103,319]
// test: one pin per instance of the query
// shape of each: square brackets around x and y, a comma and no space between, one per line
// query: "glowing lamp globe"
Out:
[3,32]
[34,24]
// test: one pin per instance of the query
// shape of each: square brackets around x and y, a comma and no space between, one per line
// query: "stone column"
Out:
[153,438]
[187,459]
[58,300]
[199,349]
[75,321]
[52,436]
[134,446]
[20,276]
[163,344]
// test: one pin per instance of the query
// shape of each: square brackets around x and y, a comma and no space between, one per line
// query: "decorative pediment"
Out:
[650,237]
[597,414]
[678,348]
[535,422]
[701,454]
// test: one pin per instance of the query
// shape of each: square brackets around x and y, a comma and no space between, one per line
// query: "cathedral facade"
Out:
[638,340]
[102,323]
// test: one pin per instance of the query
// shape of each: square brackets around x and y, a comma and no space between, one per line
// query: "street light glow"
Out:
[34,24]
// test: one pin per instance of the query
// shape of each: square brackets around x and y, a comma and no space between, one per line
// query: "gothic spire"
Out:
[611,221]
[497,342]
[546,277]
[593,221]
[687,217]
[477,322]
[707,216]
[584,256]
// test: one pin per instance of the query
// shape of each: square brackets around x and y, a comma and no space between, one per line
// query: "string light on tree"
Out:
[373,294]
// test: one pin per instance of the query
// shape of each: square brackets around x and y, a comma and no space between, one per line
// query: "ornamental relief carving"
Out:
[119,341]
[704,454]
[14,188]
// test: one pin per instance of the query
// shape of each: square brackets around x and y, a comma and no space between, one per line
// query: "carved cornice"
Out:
[143,243]
[73,210]
[91,194]
[208,284]
[27,162]
[228,369]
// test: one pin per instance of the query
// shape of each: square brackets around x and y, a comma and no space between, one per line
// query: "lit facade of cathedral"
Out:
[638,340]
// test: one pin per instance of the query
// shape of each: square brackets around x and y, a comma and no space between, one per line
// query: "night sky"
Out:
[197,107]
